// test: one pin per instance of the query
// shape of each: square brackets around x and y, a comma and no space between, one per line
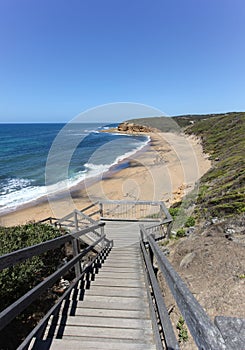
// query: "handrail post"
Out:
[102,232]
[76,251]
[169,228]
[76,221]
[76,247]
[151,255]
[101,209]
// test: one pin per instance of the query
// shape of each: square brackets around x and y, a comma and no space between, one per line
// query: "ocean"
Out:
[25,148]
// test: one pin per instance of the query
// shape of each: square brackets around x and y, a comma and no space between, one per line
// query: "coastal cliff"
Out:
[133,128]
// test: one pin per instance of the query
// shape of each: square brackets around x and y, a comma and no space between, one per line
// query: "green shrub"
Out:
[182,330]
[180,232]
[17,280]
[190,221]
[173,212]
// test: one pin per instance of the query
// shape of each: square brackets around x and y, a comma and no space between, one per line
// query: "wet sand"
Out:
[166,170]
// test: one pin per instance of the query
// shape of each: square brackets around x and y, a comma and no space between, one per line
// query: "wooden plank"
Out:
[122,269]
[104,299]
[122,262]
[114,313]
[99,304]
[125,258]
[116,291]
[104,322]
[112,275]
[94,344]
[117,282]
[116,256]
[123,202]
[89,206]
[108,332]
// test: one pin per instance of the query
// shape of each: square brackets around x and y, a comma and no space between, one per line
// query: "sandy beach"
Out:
[166,170]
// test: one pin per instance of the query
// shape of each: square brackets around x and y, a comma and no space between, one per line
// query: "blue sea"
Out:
[25,148]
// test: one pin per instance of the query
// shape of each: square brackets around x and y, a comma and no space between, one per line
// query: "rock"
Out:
[131,128]
[187,260]
[189,231]
[232,330]
[206,224]
[214,220]
[166,251]
[122,127]
[230,231]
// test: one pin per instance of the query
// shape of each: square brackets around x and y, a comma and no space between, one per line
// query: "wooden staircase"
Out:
[115,300]
[114,312]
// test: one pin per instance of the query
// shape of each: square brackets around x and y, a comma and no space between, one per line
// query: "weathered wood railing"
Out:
[134,211]
[7,260]
[205,334]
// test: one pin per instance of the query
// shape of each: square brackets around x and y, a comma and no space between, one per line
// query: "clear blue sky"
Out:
[60,57]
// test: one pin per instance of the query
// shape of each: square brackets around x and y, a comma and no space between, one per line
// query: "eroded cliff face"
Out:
[132,128]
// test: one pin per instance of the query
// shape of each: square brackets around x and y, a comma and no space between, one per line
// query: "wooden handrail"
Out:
[17,256]
[203,331]
[90,206]
[150,211]
[8,314]
[38,330]
[129,202]
[169,336]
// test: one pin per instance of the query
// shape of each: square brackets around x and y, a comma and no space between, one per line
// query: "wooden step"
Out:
[104,332]
[116,291]
[79,308]
[104,322]
[117,282]
[104,299]
[114,313]
[111,303]
[94,344]
[121,269]
[122,263]
[111,275]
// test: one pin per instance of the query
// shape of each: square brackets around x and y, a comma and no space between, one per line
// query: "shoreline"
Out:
[166,168]
[73,184]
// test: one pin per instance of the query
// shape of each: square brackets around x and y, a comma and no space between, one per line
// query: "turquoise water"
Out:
[24,149]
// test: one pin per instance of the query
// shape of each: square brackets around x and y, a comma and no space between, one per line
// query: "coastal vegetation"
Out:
[17,280]
[221,189]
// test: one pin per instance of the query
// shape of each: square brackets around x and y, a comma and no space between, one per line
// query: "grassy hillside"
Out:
[222,188]
[167,124]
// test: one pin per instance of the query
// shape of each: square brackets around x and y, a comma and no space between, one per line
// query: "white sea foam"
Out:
[13,184]
[19,192]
